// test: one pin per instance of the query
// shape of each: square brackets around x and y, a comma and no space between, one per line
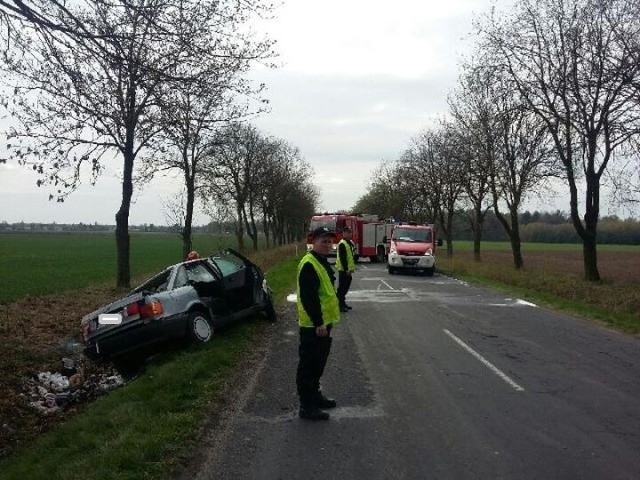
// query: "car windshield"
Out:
[228,263]
[421,235]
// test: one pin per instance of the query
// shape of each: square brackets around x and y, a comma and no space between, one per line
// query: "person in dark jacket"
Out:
[346,265]
[318,311]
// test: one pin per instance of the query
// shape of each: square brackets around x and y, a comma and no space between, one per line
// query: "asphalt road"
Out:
[437,379]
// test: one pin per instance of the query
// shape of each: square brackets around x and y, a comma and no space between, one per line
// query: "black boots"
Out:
[312,413]
[314,410]
[325,403]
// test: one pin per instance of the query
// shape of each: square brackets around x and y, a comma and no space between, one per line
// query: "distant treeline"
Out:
[553,227]
[34,227]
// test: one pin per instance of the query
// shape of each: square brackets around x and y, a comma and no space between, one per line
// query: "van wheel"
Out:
[199,328]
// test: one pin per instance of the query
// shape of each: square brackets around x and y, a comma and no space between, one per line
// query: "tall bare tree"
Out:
[477,137]
[440,171]
[232,174]
[78,103]
[570,63]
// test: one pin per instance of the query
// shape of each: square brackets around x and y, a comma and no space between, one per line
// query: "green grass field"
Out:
[467,246]
[35,264]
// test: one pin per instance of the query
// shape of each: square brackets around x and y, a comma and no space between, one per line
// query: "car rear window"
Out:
[159,283]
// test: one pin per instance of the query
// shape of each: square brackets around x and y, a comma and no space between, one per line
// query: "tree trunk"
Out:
[477,234]
[240,229]
[187,240]
[265,229]
[477,239]
[516,245]
[513,231]
[122,221]
[449,234]
[587,232]
[590,255]
[589,240]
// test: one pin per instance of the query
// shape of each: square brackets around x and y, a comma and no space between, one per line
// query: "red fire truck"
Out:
[370,235]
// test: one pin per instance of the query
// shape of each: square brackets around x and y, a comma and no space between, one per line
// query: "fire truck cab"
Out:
[413,248]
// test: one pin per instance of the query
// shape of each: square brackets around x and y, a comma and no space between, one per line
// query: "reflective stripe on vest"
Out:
[328,299]
[351,264]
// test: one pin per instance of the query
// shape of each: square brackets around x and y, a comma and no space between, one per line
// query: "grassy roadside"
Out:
[143,429]
[554,278]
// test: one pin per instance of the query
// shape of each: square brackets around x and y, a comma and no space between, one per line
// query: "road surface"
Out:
[438,379]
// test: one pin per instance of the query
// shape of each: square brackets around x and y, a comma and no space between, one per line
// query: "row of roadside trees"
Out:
[153,85]
[552,91]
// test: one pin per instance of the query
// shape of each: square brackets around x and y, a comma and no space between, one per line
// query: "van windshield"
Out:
[328,222]
[418,235]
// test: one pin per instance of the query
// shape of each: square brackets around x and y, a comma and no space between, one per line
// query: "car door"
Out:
[236,280]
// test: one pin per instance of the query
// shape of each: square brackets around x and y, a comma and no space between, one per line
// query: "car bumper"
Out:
[133,335]
[404,261]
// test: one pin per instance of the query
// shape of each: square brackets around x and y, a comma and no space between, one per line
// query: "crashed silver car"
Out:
[187,300]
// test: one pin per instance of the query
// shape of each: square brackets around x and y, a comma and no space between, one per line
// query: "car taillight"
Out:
[151,310]
[133,310]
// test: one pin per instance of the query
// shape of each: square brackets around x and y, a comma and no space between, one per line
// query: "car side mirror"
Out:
[439,242]
[385,239]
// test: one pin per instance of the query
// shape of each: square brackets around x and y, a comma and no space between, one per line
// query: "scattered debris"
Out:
[50,393]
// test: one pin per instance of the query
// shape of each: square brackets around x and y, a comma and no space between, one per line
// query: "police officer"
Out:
[318,310]
[346,265]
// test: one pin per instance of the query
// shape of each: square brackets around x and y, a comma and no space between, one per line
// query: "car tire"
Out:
[429,271]
[199,327]
[391,270]
[270,310]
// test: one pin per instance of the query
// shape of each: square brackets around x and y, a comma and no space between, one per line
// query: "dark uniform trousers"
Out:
[313,351]
[344,282]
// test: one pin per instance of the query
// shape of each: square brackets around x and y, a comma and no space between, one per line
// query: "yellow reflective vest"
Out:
[328,299]
[351,264]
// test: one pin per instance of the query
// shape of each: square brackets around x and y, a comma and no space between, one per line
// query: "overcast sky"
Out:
[358,79]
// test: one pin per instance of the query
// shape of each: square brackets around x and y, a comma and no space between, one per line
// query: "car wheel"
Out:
[270,310]
[199,328]
[429,271]
[391,270]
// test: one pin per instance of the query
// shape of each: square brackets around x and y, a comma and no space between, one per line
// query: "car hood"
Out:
[115,307]
[412,248]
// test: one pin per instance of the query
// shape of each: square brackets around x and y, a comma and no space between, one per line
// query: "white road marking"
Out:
[512,303]
[524,302]
[389,286]
[486,362]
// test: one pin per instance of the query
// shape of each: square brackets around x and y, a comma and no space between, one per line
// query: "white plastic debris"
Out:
[54,381]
